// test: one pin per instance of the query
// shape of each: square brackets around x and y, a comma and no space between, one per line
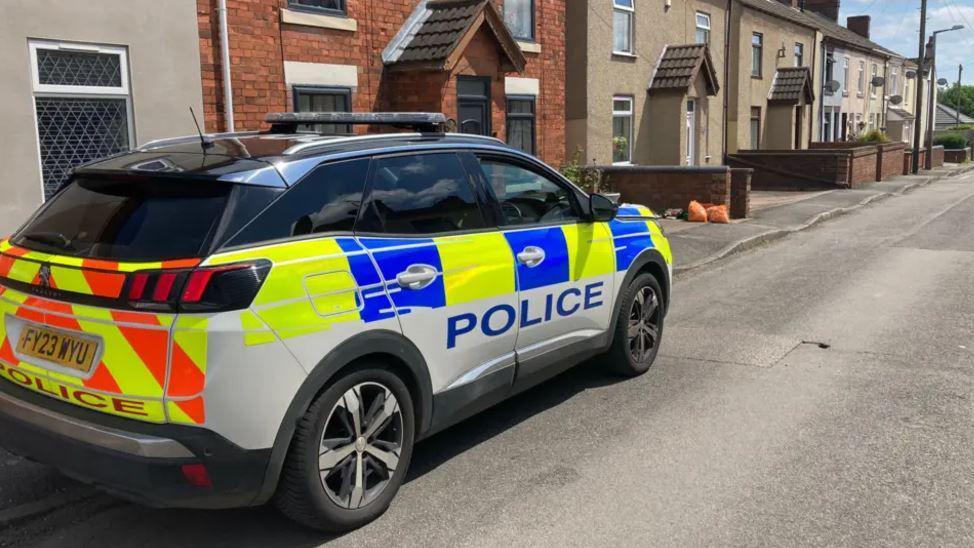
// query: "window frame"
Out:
[631,17]
[538,169]
[533,100]
[874,73]
[846,75]
[799,54]
[534,33]
[861,82]
[486,99]
[342,12]
[757,54]
[298,89]
[462,155]
[631,114]
[707,29]
[758,120]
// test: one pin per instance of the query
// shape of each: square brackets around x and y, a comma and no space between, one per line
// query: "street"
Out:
[815,391]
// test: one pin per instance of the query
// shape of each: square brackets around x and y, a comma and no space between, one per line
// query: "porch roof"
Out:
[679,67]
[791,85]
[436,34]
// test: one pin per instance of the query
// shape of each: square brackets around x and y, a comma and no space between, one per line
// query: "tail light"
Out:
[205,289]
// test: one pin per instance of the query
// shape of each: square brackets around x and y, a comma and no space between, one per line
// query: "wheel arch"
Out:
[396,350]
[650,261]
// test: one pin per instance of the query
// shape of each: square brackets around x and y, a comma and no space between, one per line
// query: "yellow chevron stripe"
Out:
[120,358]
[70,279]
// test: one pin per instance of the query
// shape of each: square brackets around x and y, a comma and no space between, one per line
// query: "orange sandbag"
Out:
[718,214]
[697,213]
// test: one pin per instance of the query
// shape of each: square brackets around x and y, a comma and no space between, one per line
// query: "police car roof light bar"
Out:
[422,122]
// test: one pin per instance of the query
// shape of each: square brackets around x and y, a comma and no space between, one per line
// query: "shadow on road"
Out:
[103,519]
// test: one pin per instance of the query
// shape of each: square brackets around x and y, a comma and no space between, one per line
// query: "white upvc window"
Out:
[622,122]
[703,28]
[846,76]
[862,78]
[623,22]
[82,105]
[872,81]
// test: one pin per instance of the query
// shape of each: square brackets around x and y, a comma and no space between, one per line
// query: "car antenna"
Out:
[203,142]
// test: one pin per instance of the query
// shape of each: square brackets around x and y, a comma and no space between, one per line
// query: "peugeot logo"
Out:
[45,276]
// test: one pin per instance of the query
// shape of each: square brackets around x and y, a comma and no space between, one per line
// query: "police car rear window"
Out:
[128,220]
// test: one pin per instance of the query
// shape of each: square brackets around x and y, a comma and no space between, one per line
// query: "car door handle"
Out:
[531,256]
[416,277]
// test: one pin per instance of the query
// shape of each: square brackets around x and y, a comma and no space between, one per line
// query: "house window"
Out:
[755,128]
[521,123]
[329,6]
[872,84]
[473,105]
[519,16]
[845,77]
[621,130]
[622,26]
[799,55]
[757,54]
[894,83]
[862,77]
[82,106]
[829,70]
[703,28]
[323,99]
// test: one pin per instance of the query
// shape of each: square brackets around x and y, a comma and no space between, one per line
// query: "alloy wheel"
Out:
[360,445]
[643,331]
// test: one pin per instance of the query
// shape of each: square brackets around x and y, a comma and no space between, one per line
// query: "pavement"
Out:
[696,245]
[816,390]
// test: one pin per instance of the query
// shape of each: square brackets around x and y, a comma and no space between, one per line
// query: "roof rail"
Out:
[423,122]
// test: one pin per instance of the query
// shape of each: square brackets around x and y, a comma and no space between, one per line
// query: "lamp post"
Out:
[932,62]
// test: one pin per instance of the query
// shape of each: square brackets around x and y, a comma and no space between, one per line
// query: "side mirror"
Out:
[602,209]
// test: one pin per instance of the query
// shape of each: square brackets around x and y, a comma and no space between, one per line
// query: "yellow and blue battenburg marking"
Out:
[634,231]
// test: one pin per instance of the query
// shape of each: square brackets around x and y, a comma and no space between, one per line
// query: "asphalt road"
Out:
[813,391]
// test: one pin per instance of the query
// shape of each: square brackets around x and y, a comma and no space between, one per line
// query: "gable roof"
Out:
[791,85]
[679,66]
[947,117]
[436,33]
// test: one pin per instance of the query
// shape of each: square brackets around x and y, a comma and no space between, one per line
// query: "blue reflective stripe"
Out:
[553,270]
[377,306]
[624,228]
[631,238]
[395,256]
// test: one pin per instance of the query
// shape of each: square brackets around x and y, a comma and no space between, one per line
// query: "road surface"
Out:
[814,391]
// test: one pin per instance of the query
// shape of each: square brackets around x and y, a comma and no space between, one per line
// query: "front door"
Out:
[473,105]
[564,264]
[691,132]
[448,271]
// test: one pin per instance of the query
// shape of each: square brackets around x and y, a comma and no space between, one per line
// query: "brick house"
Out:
[495,66]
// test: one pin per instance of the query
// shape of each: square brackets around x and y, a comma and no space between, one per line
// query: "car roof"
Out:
[271,159]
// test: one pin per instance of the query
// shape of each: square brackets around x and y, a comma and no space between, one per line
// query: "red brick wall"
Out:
[260,43]
[957,156]
[669,188]
[740,206]
[825,165]
[862,163]
[938,157]
[889,163]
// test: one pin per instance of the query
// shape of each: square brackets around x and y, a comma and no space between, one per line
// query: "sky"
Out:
[896,25]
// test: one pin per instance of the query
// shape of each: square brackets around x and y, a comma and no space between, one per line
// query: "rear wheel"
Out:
[639,327]
[350,452]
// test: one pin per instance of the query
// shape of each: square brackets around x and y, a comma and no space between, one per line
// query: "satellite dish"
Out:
[911,74]
[878,81]
[896,99]
[942,82]
[832,86]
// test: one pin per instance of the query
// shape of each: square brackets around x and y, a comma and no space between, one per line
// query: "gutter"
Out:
[728,34]
[225,64]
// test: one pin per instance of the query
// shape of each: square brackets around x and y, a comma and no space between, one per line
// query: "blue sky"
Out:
[896,25]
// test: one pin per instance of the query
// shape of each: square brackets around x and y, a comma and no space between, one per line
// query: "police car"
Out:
[229,320]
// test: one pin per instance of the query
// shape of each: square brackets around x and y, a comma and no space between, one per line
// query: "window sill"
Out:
[319,20]
[757,77]
[625,55]
[529,47]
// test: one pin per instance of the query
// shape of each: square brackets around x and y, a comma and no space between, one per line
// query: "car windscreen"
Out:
[128,219]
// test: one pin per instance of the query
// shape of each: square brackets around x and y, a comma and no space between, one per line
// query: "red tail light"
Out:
[205,289]
[197,475]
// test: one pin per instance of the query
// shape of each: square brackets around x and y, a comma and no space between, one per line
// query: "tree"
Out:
[961,98]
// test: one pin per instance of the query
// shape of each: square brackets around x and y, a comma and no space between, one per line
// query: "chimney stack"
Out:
[859,24]
[826,8]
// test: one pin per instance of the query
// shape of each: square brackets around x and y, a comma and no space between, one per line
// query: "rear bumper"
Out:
[139,462]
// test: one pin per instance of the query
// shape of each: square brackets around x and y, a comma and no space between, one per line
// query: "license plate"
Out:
[64,349]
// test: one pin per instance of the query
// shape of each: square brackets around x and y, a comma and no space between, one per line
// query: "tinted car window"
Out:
[420,194]
[527,197]
[327,200]
[130,219]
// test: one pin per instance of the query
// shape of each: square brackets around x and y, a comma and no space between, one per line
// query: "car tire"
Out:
[332,480]
[641,315]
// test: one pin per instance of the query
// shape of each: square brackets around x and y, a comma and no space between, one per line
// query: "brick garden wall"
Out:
[662,188]
[740,206]
[260,43]
[957,156]
[794,170]
[938,157]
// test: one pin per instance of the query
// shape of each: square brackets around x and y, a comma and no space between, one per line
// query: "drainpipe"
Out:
[225,62]
[727,62]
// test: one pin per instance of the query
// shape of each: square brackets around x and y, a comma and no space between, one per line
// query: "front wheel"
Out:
[350,453]
[639,328]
